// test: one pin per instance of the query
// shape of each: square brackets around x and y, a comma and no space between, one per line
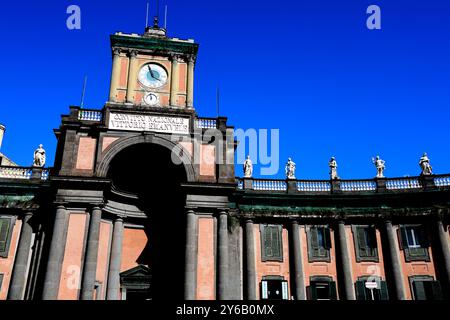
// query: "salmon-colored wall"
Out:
[415,268]
[86,153]
[102,257]
[134,243]
[7,264]
[369,268]
[71,269]
[182,78]
[107,141]
[318,268]
[205,262]
[123,72]
[271,268]
[207,163]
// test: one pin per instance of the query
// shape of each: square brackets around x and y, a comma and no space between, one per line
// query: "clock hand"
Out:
[151,72]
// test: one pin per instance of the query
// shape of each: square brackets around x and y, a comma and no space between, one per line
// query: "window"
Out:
[322,288]
[6,226]
[274,288]
[414,242]
[271,242]
[365,241]
[425,288]
[319,243]
[375,289]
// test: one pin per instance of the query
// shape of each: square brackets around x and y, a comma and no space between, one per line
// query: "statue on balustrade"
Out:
[39,157]
[380,165]
[290,169]
[425,165]
[333,169]
[248,168]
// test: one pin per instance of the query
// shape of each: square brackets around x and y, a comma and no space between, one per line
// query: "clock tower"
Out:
[152,70]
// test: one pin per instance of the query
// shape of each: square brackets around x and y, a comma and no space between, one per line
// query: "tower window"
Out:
[322,288]
[365,242]
[425,288]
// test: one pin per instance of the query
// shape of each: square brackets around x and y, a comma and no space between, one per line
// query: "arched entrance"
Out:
[144,176]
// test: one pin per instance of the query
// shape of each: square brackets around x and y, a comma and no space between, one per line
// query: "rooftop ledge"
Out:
[338,186]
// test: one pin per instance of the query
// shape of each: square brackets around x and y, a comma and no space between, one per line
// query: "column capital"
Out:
[295,222]
[175,57]
[133,53]
[116,51]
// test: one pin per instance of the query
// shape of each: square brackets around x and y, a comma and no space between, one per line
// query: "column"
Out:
[443,241]
[222,263]
[115,74]
[132,76]
[392,247]
[56,255]
[299,281]
[190,273]
[115,259]
[18,277]
[346,263]
[175,79]
[190,83]
[90,260]
[250,259]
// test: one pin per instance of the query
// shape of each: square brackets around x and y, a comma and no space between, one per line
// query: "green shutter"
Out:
[360,287]
[267,241]
[419,290]
[312,291]
[333,292]
[4,234]
[362,244]
[1,280]
[373,248]
[437,290]
[424,243]
[402,238]
[384,295]
[275,241]
[327,236]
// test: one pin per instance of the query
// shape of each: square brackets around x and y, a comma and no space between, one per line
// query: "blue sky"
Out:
[310,68]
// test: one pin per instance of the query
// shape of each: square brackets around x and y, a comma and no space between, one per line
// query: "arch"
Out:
[151,138]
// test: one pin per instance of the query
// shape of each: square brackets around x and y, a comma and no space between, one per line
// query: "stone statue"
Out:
[425,165]
[39,157]
[248,168]
[290,169]
[379,164]
[333,169]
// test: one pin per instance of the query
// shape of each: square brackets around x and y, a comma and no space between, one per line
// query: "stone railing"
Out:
[376,185]
[23,173]
[206,123]
[90,115]
[403,183]
[358,185]
[313,186]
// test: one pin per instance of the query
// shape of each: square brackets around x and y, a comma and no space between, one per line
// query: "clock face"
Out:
[152,76]
[151,99]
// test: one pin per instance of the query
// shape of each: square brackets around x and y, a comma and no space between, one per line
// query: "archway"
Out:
[144,175]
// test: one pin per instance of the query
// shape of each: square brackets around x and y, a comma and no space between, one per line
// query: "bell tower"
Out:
[152,70]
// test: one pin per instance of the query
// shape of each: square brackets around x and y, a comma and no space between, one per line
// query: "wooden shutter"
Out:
[1,280]
[5,224]
[362,244]
[275,236]
[327,237]
[267,241]
[402,238]
[372,236]
[360,287]
[314,237]
[384,295]
[312,291]
[424,243]
[264,292]
[419,290]
[285,292]
[437,290]
[333,292]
